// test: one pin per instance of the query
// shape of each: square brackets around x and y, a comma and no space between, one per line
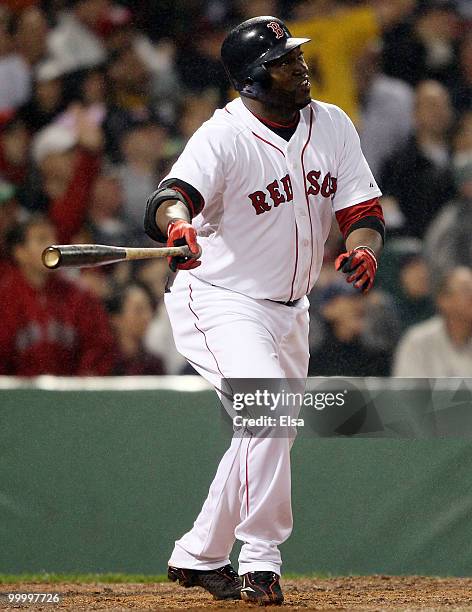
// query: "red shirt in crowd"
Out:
[60,329]
[69,211]
[142,364]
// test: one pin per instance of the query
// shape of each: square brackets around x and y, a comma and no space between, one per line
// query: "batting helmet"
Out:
[249,46]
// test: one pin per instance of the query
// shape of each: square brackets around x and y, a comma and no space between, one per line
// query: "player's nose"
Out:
[301,66]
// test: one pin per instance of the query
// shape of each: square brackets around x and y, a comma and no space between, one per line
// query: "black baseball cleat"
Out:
[262,588]
[222,583]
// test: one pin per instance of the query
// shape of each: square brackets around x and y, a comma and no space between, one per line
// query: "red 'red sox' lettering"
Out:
[259,198]
[312,178]
[273,189]
[287,184]
[276,189]
[327,188]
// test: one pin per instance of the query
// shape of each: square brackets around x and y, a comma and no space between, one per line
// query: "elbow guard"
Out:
[154,201]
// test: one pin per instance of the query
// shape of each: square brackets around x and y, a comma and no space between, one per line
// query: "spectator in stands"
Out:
[339,34]
[342,351]
[463,139]
[423,47]
[199,61]
[30,29]
[405,275]
[75,42]
[9,216]
[382,323]
[154,273]
[159,58]
[159,339]
[89,89]
[130,100]
[418,178]
[49,325]
[92,87]
[101,281]
[380,329]
[14,72]
[130,80]
[461,86]
[195,110]
[107,223]
[448,241]
[161,61]
[47,99]
[386,108]
[442,345]
[117,28]
[437,29]
[131,311]
[143,149]
[414,300]
[14,150]
[68,156]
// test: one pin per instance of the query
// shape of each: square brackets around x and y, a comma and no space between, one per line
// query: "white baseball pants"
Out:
[225,334]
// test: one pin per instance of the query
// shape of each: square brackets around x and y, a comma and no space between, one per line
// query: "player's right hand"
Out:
[179,232]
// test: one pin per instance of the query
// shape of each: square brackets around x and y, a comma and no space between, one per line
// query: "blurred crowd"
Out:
[98,98]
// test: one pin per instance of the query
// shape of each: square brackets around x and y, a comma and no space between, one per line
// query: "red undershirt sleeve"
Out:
[365,214]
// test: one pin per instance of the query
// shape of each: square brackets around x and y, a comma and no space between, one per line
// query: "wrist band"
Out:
[171,222]
[369,250]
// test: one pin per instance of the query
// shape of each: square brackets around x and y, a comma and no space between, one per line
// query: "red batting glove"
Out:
[361,266]
[179,233]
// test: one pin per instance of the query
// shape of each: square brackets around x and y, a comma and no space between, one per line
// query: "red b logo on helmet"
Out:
[276,29]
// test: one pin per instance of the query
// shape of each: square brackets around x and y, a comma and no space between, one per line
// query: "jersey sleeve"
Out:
[355,181]
[203,162]
[366,214]
[193,199]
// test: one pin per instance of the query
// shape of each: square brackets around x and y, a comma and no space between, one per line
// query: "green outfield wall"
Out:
[104,479]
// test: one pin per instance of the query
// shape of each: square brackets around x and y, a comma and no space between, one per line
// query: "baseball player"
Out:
[253,195]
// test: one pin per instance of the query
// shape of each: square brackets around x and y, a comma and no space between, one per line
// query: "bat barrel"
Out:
[56,256]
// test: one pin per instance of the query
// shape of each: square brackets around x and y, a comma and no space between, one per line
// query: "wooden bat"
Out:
[92,255]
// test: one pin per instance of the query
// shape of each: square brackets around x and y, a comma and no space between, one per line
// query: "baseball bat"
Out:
[92,255]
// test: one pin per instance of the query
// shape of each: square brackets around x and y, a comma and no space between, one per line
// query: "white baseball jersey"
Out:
[269,203]
[268,209]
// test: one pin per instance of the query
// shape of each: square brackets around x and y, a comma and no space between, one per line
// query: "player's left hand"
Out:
[179,233]
[360,265]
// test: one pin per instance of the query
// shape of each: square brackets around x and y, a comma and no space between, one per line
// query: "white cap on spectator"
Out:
[55,138]
[48,71]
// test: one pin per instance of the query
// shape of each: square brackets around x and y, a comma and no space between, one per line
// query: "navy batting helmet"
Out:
[249,46]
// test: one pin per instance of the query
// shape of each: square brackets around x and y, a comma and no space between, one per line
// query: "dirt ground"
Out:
[353,593]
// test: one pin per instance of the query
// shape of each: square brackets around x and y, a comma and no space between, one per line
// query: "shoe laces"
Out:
[264,579]
[228,572]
